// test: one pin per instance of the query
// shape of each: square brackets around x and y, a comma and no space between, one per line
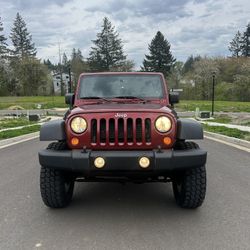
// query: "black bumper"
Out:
[122,161]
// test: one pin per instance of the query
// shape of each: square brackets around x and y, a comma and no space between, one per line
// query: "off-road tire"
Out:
[56,186]
[61,145]
[182,145]
[189,186]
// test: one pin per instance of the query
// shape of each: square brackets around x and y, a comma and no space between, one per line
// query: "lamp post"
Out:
[213,92]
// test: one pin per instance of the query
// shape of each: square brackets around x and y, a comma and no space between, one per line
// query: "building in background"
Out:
[57,82]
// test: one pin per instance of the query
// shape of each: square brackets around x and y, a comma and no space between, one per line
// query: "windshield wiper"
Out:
[131,97]
[96,98]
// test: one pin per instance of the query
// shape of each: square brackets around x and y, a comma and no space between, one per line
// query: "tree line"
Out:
[22,73]
[232,78]
[232,74]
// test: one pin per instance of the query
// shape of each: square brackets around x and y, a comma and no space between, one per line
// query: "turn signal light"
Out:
[74,141]
[167,140]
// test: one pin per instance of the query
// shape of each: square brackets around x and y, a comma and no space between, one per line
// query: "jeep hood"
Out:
[120,107]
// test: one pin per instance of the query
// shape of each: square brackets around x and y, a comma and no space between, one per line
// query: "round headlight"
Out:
[163,124]
[78,125]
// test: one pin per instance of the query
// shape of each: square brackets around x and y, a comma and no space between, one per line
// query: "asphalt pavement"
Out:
[131,216]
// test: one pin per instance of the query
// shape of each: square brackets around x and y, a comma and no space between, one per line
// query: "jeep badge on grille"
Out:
[120,115]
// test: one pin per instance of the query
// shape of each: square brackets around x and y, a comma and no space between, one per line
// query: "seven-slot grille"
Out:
[121,131]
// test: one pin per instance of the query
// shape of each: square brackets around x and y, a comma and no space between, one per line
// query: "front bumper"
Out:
[118,162]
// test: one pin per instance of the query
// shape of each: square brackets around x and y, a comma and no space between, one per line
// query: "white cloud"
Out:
[192,27]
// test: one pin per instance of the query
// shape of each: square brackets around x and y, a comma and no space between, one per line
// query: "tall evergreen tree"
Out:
[64,59]
[235,45]
[79,55]
[188,65]
[245,44]
[160,58]
[49,64]
[108,52]
[65,63]
[78,65]
[21,39]
[3,39]
[73,55]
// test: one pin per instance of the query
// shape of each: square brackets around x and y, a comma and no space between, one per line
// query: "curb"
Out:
[228,139]
[22,138]
[227,125]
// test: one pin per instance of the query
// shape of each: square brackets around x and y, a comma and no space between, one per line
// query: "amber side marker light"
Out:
[74,141]
[167,140]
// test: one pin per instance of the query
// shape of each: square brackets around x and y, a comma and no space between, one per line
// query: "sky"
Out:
[198,27]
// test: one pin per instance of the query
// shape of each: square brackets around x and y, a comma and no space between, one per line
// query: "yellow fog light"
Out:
[144,162]
[99,162]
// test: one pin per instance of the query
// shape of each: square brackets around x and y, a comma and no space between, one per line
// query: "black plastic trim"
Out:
[188,129]
[122,161]
[53,130]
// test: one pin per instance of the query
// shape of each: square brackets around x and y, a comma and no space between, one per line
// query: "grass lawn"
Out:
[232,132]
[30,102]
[16,132]
[11,123]
[222,106]
[47,102]
[221,119]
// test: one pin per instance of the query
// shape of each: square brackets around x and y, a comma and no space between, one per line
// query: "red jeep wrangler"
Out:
[122,127]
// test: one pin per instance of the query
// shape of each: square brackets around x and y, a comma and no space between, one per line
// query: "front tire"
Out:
[189,186]
[56,186]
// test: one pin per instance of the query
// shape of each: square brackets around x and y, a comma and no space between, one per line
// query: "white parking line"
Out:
[228,143]
[19,141]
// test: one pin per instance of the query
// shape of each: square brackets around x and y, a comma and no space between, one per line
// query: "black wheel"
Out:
[189,186]
[56,186]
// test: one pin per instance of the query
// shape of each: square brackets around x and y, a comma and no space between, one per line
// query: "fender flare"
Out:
[188,129]
[53,130]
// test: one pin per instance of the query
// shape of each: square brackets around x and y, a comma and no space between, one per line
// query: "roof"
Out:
[122,73]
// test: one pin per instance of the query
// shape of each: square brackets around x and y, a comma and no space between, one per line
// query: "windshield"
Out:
[110,86]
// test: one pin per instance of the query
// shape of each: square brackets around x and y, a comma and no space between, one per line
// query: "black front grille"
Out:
[121,130]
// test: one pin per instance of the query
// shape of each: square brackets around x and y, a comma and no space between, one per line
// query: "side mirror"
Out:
[173,97]
[70,99]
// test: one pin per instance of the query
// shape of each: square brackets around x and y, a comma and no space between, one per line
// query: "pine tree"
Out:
[65,63]
[245,43]
[160,58]
[64,59]
[49,64]
[188,65]
[108,52]
[3,44]
[235,45]
[79,55]
[21,39]
[73,55]
[78,65]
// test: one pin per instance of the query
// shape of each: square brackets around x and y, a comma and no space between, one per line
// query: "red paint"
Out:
[89,109]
